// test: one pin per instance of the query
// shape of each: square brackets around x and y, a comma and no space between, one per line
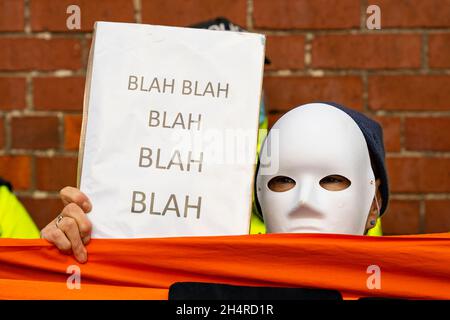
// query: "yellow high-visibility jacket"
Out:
[15,222]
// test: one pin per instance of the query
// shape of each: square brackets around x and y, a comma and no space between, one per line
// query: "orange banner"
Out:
[408,267]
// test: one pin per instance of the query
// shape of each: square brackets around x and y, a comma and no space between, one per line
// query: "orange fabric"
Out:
[411,266]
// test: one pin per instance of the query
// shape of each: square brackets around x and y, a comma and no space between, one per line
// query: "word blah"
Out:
[139,205]
[147,160]
[209,89]
[188,87]
[179,121]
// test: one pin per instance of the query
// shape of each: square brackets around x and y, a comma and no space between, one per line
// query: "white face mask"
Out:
[315,141]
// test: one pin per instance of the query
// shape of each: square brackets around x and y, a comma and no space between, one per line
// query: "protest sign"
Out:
[169,132]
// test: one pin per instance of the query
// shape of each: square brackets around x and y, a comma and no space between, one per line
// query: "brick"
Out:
[285,93]
[306,14]
[427,134]
[11,15]
[12,93]
[43,211]
[39,54]
[419,175]
[58,93]
[72,129]
[34,132]
[17,170]
[50,15]
[402,217]
[437,216]
[391,132]
[409,92]
[188,12]
[391,129]
[390,125]
[413,13]
[369,51]
[439,50]
[2,133]
[54,173]
[285,52]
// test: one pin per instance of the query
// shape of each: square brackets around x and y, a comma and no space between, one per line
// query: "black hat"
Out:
[223,24]
[373,133]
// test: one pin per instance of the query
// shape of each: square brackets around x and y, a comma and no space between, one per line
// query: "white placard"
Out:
[169,131]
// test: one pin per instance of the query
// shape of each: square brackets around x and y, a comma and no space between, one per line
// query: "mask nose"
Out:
[305,207]
[304,193]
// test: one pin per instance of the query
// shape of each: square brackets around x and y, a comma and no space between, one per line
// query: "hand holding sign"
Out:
[71,230]
[122,101]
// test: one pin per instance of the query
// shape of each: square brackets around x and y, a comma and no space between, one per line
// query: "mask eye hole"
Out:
[335,182]
[281,184]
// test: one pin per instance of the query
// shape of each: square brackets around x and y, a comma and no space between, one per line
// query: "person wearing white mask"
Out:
[321,170]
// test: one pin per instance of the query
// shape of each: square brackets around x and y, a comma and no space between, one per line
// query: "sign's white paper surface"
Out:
[164,107]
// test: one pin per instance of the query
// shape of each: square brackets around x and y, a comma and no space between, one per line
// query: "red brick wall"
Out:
[320,50]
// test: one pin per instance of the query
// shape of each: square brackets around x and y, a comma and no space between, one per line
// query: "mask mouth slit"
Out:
[335,182]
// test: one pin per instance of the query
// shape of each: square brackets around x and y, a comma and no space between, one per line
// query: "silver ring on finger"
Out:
[58,220]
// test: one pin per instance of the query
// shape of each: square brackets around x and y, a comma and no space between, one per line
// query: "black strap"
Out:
[213,291]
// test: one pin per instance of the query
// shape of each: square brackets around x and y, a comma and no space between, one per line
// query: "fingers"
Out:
[66,237]
[58,238]
[73,211]
[73,195]
[70,228]
[74,229]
